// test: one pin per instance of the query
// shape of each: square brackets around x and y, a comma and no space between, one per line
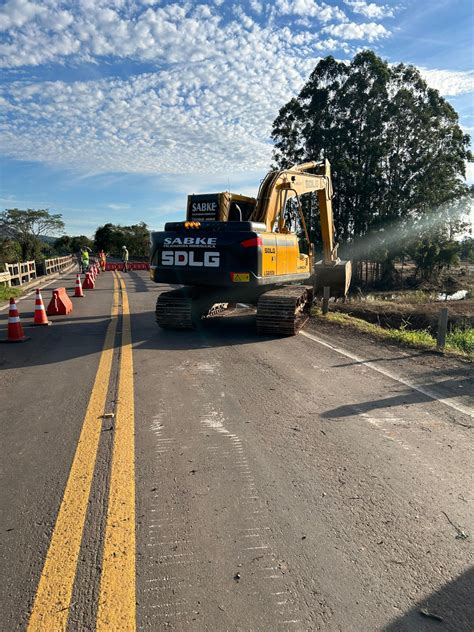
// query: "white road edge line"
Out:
[421,389]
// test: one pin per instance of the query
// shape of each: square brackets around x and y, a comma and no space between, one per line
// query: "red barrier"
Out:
[60,304]
[132,265]
[89,282]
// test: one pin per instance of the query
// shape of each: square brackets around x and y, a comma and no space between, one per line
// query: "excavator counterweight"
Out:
[234,248]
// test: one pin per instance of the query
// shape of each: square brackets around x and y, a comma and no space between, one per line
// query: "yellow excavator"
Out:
[237,249]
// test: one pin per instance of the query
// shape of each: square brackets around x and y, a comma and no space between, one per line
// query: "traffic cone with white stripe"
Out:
[40,312]
[15,330]
[78,293]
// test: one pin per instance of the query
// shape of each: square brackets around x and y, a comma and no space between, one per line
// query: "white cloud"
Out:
[310,8]
[142,30]
[449,82]
[351,31]
[370,9]
[200,118]
[16,13]
[194,114]
[118,207]
[243,18]
[256,6]
[207,108]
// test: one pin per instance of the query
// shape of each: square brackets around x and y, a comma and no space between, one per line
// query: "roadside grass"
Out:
[459,342]
[462,339]
[6,292]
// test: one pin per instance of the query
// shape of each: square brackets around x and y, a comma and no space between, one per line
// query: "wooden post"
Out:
[442,327]
[326,293]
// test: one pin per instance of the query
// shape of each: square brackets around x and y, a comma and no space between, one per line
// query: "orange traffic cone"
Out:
[78,293]
[15,330]
[97,267]
[40,313]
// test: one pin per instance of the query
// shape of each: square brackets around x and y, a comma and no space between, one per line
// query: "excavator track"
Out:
[175,310]
[285,310]
[184,308]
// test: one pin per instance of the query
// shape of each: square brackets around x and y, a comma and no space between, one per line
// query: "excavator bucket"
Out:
[336,276]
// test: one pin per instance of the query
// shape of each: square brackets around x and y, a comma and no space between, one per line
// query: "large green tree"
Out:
[72,245]
[27,227]
[111,238]
[395,145]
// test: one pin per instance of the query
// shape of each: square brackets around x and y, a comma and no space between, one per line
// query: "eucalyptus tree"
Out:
[395,145]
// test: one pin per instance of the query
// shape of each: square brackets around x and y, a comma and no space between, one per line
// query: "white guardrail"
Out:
[20,273]
[59,264]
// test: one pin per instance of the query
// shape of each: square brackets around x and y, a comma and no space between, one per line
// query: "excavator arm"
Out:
[279,186]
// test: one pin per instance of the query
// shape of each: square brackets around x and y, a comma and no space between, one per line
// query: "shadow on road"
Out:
[138,283]
[456,385]
[72,337]
[370,361]
[218,331]
[453,603]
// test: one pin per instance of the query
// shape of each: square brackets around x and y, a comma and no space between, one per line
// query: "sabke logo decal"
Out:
[210,242]
[205,206]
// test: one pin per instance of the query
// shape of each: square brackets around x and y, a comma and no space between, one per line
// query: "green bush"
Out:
[461,339]
[6,292]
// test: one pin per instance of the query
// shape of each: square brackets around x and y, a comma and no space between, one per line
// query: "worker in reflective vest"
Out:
[85,259]
[102,259]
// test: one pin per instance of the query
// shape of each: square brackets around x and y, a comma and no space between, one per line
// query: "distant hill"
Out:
[48,240]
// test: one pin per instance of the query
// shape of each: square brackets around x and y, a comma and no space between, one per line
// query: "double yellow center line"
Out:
[116,609]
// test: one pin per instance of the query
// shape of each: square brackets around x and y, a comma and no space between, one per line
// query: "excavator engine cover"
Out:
[336,276]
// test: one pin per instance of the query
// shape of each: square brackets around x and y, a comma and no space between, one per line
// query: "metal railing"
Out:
[58,264]
[21,272]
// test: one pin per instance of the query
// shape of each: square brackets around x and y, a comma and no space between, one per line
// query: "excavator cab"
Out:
[224,207]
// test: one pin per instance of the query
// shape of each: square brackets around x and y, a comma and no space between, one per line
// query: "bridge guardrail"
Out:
[21,272]
[58,264]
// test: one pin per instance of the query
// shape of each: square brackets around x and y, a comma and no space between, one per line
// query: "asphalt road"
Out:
[215,480]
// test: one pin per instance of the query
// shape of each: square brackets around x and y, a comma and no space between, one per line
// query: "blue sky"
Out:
[115,110]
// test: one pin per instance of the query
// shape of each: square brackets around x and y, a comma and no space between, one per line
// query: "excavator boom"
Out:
[279,186]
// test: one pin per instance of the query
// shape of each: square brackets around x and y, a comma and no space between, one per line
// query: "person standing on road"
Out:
[84,259]
[125,258]
[102,260]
